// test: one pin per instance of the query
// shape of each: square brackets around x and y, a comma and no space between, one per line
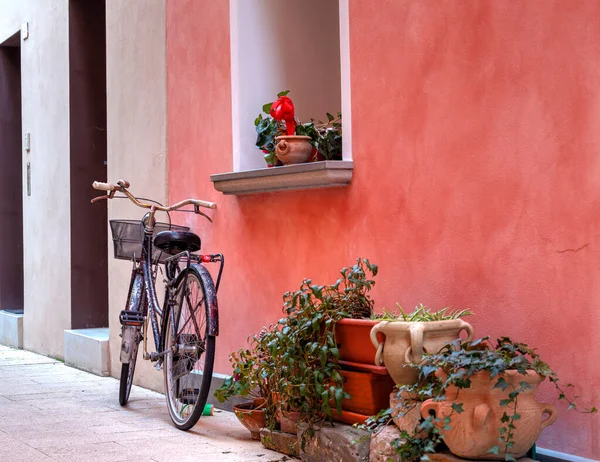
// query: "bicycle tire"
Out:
[135,303]
[186,391]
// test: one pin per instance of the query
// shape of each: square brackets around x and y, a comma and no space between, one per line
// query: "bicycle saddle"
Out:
[174,242]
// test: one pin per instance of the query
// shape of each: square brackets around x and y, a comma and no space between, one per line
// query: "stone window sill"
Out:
[327,174]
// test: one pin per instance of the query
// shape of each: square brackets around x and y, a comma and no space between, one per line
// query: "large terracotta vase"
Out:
[293,149]
[476,430]
[405,342]
[252,417]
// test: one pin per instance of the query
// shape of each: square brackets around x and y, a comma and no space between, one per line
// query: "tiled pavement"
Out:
[49,411]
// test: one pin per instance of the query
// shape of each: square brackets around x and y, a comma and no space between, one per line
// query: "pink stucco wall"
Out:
[475,141]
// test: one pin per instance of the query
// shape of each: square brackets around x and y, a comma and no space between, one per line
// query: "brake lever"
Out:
[197,211]
[107,196]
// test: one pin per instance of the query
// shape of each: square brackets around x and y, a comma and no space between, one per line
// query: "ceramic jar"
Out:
[476,430]
[293,149]
[405,342]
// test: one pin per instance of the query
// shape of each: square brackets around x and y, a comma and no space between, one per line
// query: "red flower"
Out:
[283,109]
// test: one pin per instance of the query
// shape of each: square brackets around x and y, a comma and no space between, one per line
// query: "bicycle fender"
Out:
[211,298]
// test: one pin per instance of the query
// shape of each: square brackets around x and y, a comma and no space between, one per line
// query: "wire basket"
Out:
[128,239]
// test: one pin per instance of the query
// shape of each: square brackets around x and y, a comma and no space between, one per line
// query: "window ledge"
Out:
[327,174]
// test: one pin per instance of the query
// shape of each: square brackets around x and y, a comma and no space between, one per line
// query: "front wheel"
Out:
[189,363]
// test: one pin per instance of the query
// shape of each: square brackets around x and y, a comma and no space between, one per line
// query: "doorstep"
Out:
[87,349]
[11,328]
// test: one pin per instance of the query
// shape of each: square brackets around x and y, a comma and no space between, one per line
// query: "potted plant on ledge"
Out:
[284,140]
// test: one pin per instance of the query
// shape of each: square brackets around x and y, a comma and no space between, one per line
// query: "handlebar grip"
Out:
[104,186]
[208,205]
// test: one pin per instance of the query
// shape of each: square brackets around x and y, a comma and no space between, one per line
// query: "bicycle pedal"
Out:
[131,318]
[189,395]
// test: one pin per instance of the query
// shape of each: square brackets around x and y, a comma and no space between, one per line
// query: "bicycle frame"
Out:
[154,312]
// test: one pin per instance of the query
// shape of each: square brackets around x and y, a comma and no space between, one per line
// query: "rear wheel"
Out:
[189,363]
[131,337]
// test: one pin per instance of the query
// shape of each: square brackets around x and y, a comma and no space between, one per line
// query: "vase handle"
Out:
[468,328]
[376,343]
[429,405]
[415,349]
[552,414]
[282,148]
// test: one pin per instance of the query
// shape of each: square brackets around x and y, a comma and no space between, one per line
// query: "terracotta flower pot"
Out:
[293,149]
[405,342]
[475,431]
[251,418]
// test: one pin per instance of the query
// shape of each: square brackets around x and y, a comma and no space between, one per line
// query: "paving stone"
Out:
[50,411]
[340,443]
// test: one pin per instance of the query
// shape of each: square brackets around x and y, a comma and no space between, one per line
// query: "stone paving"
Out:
[52,412]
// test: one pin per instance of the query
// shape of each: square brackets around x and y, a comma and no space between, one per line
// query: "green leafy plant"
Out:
[420,314]
[454,365]
[293,363]
[304,345]
[326,137]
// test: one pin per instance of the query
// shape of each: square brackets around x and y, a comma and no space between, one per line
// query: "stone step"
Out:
[11,328]
[87,349]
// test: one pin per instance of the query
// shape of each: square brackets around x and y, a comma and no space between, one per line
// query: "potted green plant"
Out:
[284,140]
[352,297]
[251,378]
[407,336]
[479,400]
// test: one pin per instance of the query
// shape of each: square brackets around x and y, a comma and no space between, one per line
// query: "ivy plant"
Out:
[459,361]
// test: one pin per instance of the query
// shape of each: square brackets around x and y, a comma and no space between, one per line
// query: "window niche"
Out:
[296,45]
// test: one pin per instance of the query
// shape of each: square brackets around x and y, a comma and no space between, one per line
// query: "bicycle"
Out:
[186,327]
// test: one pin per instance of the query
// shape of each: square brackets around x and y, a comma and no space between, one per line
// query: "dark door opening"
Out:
[11,174]
[87,95]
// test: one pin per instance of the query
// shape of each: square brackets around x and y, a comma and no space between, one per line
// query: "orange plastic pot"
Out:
[369,392]
[354,339]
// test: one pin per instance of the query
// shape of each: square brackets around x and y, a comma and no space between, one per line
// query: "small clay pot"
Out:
[252,417]
[293,149]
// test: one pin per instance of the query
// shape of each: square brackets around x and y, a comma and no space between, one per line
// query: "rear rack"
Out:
[195,258]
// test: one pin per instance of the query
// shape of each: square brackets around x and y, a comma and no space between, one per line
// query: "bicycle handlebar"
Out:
[122,186]
[104,186]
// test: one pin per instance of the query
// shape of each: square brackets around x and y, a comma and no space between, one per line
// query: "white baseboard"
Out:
[561,455]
